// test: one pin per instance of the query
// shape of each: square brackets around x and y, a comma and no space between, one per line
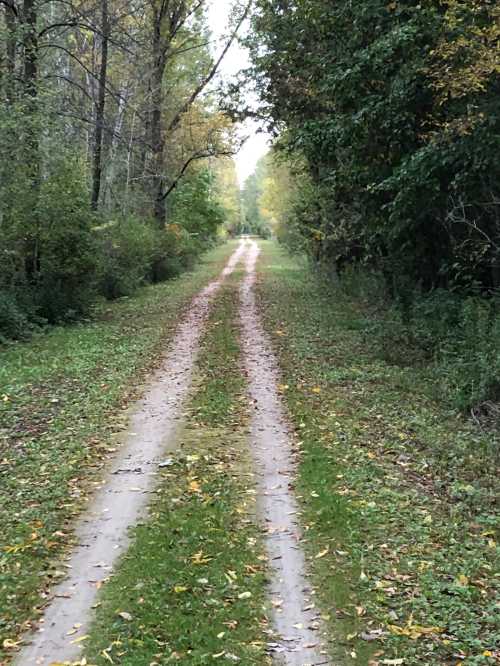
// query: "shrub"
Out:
[468,363]
[63,280]
[14,322]
[126,253]
[456,338]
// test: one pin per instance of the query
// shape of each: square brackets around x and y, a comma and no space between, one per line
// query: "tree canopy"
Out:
[389,115]
[107,113]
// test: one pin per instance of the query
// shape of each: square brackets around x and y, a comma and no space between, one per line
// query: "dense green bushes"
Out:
[389,113]
[125,250]
[56,257]
[454,339]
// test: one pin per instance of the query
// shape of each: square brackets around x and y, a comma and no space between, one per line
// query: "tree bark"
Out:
[31,145]
[157,130]
[100,107]
[8,71]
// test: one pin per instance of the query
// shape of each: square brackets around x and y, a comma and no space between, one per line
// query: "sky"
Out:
[236,59]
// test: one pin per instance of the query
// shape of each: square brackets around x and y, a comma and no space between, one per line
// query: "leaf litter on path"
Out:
[298,641]
[102,530]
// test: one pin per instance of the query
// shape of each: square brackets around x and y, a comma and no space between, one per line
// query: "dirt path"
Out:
[295,617]
[120,502]
[102,533]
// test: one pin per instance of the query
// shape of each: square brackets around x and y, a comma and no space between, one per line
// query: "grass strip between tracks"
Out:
[191,588]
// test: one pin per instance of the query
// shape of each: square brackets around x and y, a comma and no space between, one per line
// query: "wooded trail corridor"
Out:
[249,332]
[246,507]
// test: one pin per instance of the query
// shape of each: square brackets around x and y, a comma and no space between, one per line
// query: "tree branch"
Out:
[199,89]
[189,161]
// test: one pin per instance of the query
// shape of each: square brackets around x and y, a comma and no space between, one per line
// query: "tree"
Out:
[394,112]
[107,120]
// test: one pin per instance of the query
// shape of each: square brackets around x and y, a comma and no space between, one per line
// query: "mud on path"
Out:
[295,616]
[120,501]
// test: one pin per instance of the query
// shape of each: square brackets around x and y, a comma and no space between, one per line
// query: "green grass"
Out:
[61,398]
[399,488]
[193,580]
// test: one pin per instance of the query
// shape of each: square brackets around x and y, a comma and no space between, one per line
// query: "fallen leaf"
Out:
[125,616]
[244,595]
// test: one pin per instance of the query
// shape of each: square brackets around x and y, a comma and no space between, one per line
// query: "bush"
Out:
[468,362]
[14,322]
[47,258]
[456,338]
[126,254]
[64,277]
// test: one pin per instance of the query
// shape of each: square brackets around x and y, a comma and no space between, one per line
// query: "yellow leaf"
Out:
[414,631]
[125,616]
[9,644]
[316,389]
[178,589]
[107,656]
[194,486]
[462,580]
[82,638]
[199,558]
[323,553]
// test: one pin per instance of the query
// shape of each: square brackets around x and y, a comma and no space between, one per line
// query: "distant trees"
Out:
[105,112]
[255,219]
[389,113]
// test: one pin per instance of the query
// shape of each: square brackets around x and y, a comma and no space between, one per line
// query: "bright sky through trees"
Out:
[237,58]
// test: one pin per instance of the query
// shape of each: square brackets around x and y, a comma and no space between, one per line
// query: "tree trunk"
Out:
[100,108]
[8,71]
[157,130]
[32,141]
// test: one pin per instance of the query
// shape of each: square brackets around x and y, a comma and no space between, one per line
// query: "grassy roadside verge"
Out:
[191,587]
[61,396]
[398,493]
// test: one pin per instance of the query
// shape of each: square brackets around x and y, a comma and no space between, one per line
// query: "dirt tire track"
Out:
[295,618]
[121,500]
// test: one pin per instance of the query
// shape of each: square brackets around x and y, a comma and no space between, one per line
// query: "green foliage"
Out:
[469,359]
[126,251]
[63,284]
[389,116]
[14,322]
[397,125]
[455,340]
[47,261]
[255,219]
[55,261]
[195,207]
